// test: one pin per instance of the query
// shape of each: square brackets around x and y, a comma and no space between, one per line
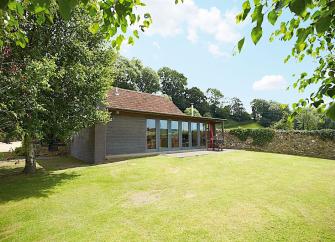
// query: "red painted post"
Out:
[211,135]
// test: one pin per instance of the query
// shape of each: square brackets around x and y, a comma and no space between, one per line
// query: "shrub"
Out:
[259,137]
[242,134]
[327,134]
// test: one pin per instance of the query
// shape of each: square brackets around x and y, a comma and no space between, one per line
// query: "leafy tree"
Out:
[126,73]
[223,112]
[307,119]
[149,81]
[196,113]
[173,83]
[53,87]
[111,18]
[208,115]
[268,112]
[198,98]
[284,123]
[237,110]
[259,107]
[326,123]
[312,28]
[132,75]
[215,99]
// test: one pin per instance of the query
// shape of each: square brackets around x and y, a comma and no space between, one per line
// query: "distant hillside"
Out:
[231,124]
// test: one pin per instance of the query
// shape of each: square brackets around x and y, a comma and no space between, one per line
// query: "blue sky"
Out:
[197,38]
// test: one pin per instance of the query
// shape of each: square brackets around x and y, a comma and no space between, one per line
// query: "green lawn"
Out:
[243,196]
[231,124]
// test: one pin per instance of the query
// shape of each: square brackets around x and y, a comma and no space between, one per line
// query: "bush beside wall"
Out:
[319,143]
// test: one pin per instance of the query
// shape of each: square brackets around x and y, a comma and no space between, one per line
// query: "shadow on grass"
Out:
[21,186]
[60,163]
[14,185]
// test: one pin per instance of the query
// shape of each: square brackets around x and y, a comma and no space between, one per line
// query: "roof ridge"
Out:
[128,90]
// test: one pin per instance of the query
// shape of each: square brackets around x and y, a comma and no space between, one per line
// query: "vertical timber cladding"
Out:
[126,135]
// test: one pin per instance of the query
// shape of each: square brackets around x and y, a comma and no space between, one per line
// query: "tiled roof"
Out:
[123,99]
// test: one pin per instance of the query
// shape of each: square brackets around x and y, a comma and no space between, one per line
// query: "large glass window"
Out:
[151,134]
[194,130]
[163,133]
[185,136]
[203,134]
[175,134]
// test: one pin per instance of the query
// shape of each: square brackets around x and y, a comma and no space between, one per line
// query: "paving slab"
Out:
[196,153]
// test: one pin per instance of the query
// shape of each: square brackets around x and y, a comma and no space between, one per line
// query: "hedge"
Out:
[261,137]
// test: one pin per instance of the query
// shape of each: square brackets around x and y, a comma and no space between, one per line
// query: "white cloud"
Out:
[156,44]
[216,52]
[170,19]
[270,82]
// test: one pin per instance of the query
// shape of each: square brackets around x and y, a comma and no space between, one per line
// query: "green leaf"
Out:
[124,28]
[135,32]
[94,28]
[331,111]
[3,4]
[272,16]
[298,6]
[258,15]
[12,5]
[240,44]
[322,25]
[131,40]
[246,9]
[19,9]
[65,7]
[256,34]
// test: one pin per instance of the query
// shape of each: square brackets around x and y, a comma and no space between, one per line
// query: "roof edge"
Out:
[216,120]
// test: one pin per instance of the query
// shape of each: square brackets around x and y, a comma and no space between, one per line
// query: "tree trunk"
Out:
[29,148]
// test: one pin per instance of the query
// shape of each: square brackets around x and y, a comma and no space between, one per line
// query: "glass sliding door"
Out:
[151,134]
[174,134]
[194,131]
[203,134]
[164,134]
[185,134]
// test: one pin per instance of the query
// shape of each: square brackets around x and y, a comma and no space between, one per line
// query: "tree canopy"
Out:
[133,75]
[173,84]
[57,84]
[311,27]
[196,113]
[111,18]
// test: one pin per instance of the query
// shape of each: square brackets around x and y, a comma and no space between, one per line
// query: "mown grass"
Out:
[243,196]
[231,124]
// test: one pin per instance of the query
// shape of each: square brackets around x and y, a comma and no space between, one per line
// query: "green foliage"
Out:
[237,111]
[307,119]
[242,134]
[311,26]
[132,75]
[283,124]
[268,112]
[215,100]
[55,86]
[197,97]
[173,84]
[259,137]
[112,18]
[196,113]
[262,137]
[326,134]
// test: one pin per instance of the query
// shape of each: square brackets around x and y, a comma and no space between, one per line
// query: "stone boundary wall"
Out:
[287,142]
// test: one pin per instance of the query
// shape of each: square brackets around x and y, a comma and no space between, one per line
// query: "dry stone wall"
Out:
[288,142]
